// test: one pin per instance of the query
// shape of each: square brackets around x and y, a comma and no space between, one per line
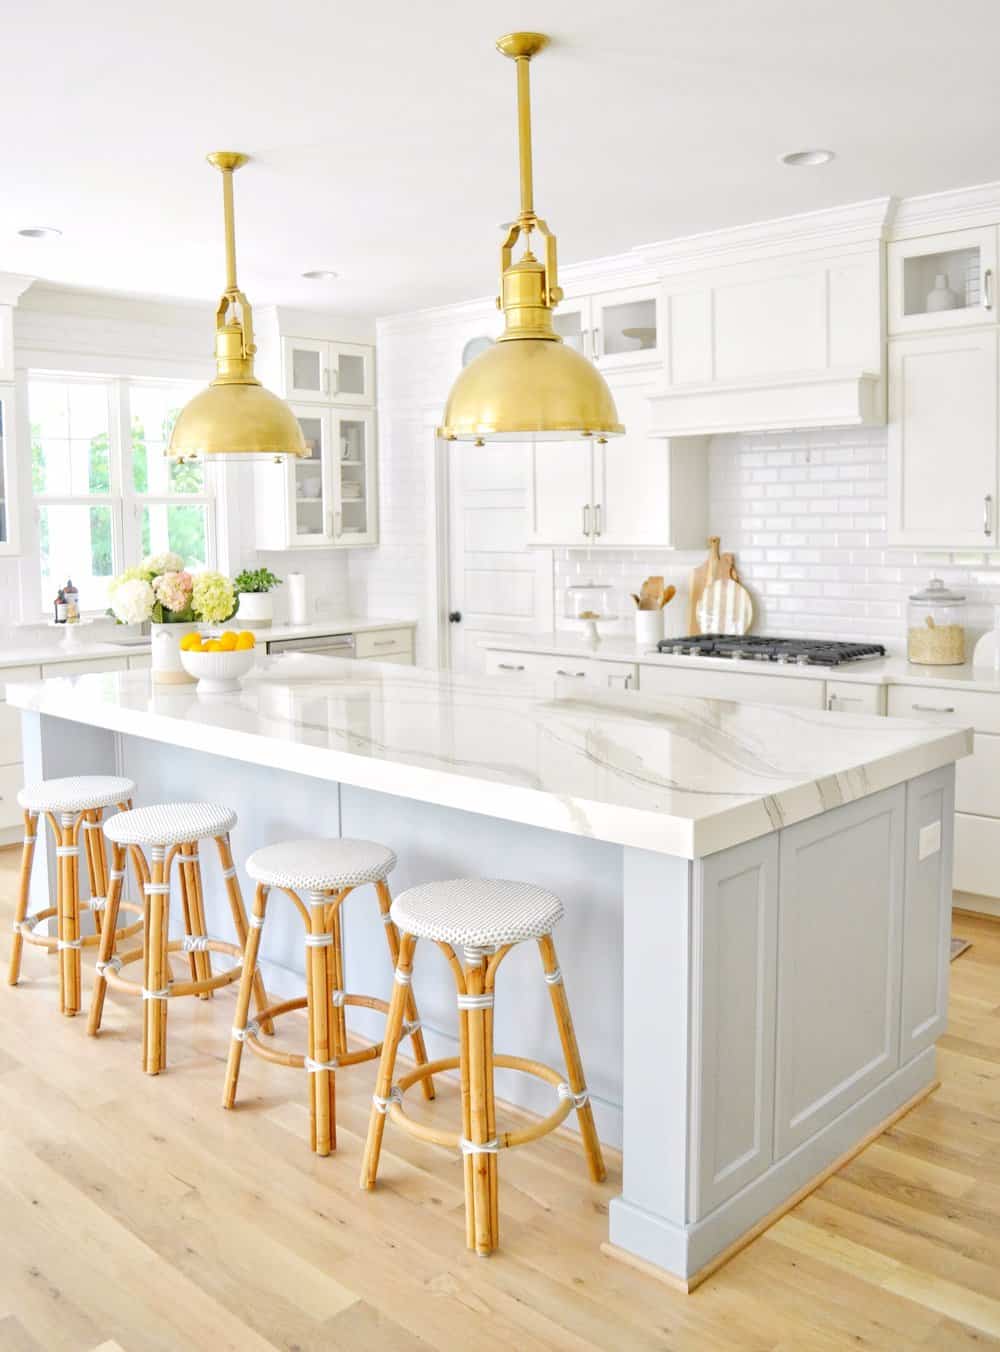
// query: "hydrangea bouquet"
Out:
[161,590]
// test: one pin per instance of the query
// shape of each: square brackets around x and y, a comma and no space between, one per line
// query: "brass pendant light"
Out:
[235,416]
[529,385]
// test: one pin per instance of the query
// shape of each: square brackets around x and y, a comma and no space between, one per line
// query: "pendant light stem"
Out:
[230,219]
[524,139]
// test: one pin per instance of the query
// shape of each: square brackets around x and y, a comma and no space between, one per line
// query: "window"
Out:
[106,494]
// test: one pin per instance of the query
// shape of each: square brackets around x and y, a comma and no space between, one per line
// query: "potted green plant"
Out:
[254,587]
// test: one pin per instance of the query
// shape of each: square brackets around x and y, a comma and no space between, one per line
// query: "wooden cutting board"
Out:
[725,607]
[715,566]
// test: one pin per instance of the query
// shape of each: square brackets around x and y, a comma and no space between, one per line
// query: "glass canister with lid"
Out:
[935,626]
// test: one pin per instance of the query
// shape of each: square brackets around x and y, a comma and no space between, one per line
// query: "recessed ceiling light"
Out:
[321,275]
[800,159]
[40,232]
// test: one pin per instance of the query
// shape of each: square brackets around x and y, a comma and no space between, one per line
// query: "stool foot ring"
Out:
[177,988]
[26,927]
[297,1061]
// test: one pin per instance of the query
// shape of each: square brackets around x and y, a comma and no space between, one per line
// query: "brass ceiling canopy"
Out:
[235,416]
[529,385]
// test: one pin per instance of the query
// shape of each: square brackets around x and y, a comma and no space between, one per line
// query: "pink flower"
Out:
[173,590]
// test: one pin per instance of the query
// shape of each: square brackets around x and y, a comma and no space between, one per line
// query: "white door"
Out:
[351,373]
[497,585]
[352,466]
[311,503]
[625,328]
[956,271]
[943,440]
[562,493]
[307,372]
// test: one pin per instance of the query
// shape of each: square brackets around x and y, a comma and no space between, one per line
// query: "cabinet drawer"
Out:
[851,697]
[379,642]
[10,734]
[11,779]
[544,666]
[10,675]
[698,681]
[961,708]
[78,667]
[977,854]
[977,778]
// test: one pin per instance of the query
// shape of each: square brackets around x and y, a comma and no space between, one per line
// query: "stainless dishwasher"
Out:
[323,645]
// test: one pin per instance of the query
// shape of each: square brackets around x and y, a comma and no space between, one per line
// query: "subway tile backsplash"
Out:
[805,515]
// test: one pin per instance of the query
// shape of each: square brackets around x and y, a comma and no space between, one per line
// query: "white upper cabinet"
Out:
[328,372]
[943,281]
[615,329]
[943,461]
[632,491]
[354,483]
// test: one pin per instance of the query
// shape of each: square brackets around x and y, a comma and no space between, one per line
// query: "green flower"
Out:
[213,599]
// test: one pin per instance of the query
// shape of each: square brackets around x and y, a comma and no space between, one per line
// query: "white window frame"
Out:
[125,503]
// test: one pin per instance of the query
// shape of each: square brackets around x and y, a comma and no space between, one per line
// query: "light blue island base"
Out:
[746,1019]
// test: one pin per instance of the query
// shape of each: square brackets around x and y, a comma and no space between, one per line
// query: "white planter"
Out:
[256,610]
[166,653]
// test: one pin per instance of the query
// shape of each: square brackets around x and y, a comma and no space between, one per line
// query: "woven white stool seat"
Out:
[169,824]
[321,865]
[77,793]
[477,912]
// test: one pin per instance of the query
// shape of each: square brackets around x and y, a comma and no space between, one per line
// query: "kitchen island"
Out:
[757,898]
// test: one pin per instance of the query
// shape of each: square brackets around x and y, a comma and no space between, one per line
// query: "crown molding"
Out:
[979,205]
[13,286]
[481,312]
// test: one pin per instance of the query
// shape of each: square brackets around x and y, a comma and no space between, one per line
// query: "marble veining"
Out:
[682,776]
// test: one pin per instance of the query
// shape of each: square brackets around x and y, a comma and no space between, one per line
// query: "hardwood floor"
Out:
[136,1215]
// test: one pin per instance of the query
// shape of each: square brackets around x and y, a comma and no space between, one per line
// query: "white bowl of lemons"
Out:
[218,662]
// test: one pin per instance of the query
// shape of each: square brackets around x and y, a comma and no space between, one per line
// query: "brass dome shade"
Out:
[529,385]
[235,415]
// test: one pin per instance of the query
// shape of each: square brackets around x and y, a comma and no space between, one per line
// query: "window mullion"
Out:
[127,542]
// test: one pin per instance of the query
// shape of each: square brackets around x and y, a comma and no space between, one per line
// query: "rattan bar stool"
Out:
[171,832]
[483,919]
[324,872]
[72,806]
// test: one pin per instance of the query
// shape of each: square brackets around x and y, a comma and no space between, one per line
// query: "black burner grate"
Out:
[813,652]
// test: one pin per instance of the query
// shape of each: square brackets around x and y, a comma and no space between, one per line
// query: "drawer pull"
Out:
[834,700]
[933,708]
[508,666]
[577,675]
[387,643]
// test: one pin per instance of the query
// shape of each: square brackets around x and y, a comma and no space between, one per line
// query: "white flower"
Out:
[132,601]
[162,563]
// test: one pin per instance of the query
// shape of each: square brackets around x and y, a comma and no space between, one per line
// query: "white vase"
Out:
[165,641]
[942,297]
[256,609]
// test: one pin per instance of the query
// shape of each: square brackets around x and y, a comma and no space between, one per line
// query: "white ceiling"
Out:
[383,132]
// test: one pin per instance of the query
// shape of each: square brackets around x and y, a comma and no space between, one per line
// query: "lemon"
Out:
[245,642]
[191,643]
[228,641]
[213,646]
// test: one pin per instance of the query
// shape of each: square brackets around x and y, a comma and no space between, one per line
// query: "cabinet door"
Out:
[943,440]
[350,366]
[307,373]
[562,493]
[572,322]
[8,487]
[626,329]
[352,466]
[943,281]
[632,478]
[310,501]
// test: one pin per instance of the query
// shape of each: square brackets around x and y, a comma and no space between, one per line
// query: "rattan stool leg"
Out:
[392,938]
[68,913]
[250,951]
[97,876]
[571,1054]
[475,1070]
[157,969]
[193,908]
[387,1062]
[24,887]
[322,1083]
[240,921]
[335,976]
[105,952]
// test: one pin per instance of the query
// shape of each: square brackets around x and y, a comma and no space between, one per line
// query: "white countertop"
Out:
[880,671]
[683,777]
[19,654]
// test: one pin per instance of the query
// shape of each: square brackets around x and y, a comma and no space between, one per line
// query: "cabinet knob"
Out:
[454,617]
[988,514]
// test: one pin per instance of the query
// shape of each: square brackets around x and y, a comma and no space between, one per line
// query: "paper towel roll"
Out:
[298,599]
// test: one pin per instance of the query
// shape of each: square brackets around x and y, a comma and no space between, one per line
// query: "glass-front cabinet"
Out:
[327,372]
[943,281]
[310,506]
[9,543]
[354,478]
[613,328]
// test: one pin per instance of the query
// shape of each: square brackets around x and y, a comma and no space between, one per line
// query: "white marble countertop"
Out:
[18,653]
[683,777]
[880,671]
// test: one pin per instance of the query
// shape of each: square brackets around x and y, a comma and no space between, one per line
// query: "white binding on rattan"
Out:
[478,1147]
[319,940]
[386,918]
[403,978]
[195,943]
[30,840]
[69,943]
[313,1067]
[484,1001]
[169,824]
[382,1104]
[75,793]
[578,1100]
[98,903]
[91,826]
[156,889]
[66,851]
[113,964]
[228,873]
[256,921]
[314,865]
[477,912]
[338,998]
[190,859]
[408,1029]
[251,1030]
[162,994]
[553,978]
[31,920]
[116,875]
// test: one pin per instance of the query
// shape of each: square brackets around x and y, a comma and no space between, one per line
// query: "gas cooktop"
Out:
[804,652]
